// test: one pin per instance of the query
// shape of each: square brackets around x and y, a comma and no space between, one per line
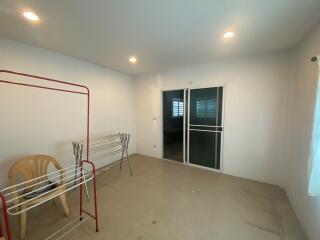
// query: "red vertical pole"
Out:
[95,198]
[93,169]
[5,217]
[93,166]
[87,142]
[1,235]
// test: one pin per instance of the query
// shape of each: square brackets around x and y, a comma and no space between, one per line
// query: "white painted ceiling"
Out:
[163,34]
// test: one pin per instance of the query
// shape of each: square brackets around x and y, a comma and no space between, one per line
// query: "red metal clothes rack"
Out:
[3,194]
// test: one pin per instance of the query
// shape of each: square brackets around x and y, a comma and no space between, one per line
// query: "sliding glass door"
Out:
[205,129]
[173,124]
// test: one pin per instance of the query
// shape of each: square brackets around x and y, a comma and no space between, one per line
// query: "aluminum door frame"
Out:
[222,132]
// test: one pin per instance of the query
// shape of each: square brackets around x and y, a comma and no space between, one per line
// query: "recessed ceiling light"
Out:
[228,35]
[133,60]
[31,16]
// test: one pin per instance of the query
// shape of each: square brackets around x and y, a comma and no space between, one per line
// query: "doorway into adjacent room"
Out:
[193,126]
[173,124]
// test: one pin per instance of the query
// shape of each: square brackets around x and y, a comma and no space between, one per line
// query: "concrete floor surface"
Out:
[168,200]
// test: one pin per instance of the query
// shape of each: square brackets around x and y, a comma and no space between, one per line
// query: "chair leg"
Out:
[54,202]
[23,223]
[64,204]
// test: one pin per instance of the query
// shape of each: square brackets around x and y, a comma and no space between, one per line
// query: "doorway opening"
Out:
[193,126]
[173,124]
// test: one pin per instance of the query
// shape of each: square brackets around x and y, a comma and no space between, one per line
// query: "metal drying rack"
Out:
[102,148]
[70,179]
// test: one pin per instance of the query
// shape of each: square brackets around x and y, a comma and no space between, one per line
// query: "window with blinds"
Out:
[177,108]
[206,108]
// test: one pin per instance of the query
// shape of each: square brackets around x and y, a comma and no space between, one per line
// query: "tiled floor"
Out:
[167,200]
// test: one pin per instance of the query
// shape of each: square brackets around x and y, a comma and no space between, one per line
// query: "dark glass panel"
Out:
[205,141]
[204,106]
[204,149]
[173,125]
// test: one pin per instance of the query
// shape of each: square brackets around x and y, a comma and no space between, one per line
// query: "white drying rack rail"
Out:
[44,188]
[37,191]
[102,148]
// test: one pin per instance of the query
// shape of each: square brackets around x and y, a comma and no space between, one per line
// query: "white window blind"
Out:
[206,108]
[177,108]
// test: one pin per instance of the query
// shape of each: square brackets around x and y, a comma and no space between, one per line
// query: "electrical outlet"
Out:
[154,146]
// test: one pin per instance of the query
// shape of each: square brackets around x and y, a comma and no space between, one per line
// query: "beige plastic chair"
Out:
[29,168]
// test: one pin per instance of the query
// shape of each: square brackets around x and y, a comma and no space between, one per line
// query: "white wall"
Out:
[268,113]
[34,121]
[299,130]
[255,108]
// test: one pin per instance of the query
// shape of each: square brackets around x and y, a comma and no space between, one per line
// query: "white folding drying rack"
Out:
[102,148]
[18,195]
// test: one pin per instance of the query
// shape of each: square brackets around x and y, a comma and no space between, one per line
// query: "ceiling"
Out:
[163,34]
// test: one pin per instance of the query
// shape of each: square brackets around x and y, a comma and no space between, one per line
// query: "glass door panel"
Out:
[205,127]
[173,125]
